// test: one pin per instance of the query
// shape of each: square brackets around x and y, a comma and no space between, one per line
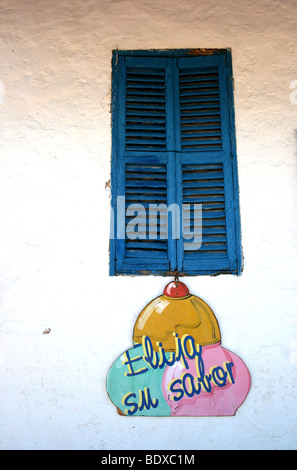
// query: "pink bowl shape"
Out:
[214,383]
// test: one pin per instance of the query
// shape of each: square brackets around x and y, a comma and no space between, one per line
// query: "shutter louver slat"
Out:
[145,110]
[145,185]
[204,184]
[200,110]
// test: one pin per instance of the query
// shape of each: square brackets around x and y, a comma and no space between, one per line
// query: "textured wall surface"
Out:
[55,76]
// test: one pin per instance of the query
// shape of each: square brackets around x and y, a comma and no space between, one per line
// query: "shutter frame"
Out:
[143,157]
[175,157]
[194,263]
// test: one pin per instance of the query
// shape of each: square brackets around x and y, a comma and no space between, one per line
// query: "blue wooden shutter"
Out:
[206,164]
[144,163]
[174,142]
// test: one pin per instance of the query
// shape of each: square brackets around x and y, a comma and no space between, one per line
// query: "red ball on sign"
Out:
[176,289]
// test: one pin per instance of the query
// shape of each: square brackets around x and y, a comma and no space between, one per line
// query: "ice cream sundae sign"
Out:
[177,365]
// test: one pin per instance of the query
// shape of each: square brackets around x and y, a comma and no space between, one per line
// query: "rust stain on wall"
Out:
[203,51]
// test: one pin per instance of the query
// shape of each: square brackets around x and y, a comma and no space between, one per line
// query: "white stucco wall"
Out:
[55,75]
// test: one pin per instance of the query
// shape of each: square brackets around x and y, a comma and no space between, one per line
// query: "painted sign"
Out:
[177,365]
